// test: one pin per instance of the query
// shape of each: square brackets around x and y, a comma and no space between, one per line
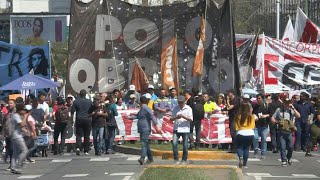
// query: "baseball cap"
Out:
[181,99]
[150,86]
[132,87]
[148,95]
[28,107]
[246,96]
[132,96]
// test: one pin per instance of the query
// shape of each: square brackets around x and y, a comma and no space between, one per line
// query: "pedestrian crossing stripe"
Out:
[75,175]
[253,159]
[29,176]
[100,159]
[293,160]
[122,174]
[60,160]
[133,158]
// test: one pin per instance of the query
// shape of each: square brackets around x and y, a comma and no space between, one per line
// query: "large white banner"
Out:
[288,65]
[37,30]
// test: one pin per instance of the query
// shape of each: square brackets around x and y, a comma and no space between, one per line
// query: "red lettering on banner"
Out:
[205,128]
[310,33]
[213,128]
[167,125]
[302,59]
[260,41]
[268,67]
[297,47]
[127,123]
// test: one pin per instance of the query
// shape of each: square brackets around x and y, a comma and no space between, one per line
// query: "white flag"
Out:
[288,32]
[305,30]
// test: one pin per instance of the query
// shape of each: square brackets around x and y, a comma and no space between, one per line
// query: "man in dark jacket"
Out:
[83,121]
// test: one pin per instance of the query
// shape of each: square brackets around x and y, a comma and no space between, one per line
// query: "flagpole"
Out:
[278,19]
[177,62]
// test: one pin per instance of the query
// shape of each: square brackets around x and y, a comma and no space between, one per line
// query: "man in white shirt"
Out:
[182,116]
[43,105]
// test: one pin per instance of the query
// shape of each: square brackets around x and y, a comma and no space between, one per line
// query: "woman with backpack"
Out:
[111,124]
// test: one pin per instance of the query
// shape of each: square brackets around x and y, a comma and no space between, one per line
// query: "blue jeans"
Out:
[263,133]
[286,143]
[243,146]
[185,137]
[302,135]
[145,148]
[98,132]
[20,152]
[111,134]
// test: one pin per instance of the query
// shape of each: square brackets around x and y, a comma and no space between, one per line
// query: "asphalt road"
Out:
[125,167]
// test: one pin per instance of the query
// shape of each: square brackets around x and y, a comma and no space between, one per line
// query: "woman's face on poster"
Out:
[37,29]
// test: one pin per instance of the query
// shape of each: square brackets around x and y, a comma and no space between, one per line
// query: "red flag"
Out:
[139,78]
[197,66]
[169,65]
[305,30]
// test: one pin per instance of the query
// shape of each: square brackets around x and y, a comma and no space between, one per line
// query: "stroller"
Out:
[43,139]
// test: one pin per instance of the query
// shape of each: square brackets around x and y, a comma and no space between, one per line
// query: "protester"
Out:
[111,125]
[99,115]
[284,117]
[314,134]
[31,137]
[62,119]
[275,104]
[198,114]
[189,98]
[182,116]
[151,91]
[161,107]
[7,128]
[173,97]
[244,125]
[19,146]
[132,104]
[132,90]
[306,110]
[82,106]
[210,107]
[120,104]
[262,111]
[233,104]
[43,105]
[220,102]
[150,102]
[145,117]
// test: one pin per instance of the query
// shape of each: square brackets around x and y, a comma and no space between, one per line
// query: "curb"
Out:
[192,155]
[235,168]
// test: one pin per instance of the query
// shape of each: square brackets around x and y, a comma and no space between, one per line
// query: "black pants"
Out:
[83,129]
[233,133]
[273,134]
[9,150]
[59,129]
[197,125]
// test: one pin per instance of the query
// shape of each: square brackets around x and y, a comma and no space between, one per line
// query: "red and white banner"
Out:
[288,65]
[288,31]
[305,30]
[213,131]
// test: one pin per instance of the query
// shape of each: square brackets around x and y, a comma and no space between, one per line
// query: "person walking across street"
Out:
[82,106]
[111,127]
[284,118]
[244,125]
[145,118]
[314,134]
[61,119]
[19,146]
[262,111]
[182,116]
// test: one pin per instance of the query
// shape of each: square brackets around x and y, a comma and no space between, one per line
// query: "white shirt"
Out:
[182,124]
[45,108]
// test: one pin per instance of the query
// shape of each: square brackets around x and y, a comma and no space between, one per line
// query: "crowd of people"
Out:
[250,119]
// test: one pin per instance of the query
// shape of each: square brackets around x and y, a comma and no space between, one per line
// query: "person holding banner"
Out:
[182,116]
[145,117]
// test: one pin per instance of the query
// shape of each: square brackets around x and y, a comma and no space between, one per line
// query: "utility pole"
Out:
[278,20]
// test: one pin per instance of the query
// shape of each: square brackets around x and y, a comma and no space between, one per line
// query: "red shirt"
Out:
[4,110]
[55,108]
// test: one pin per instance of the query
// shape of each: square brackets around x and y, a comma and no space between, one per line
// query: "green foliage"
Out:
[59,56]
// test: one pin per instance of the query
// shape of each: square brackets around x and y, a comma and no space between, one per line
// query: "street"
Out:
[125,167]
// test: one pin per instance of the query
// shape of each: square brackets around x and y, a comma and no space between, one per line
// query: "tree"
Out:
[59,56]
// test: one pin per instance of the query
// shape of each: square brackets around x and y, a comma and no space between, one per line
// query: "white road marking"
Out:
[253,159]
[305,175]
[106,173]
[67,154]
[100,159]
[133,158]
[75,175]
[122,174]
[126,178]
[29,176]
[60,160]
[259,176]
[293,160]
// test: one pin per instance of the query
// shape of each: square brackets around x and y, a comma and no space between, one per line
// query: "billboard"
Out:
[37,30]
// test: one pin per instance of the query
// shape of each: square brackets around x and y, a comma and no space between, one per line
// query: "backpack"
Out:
[62,114]
[8,126]
[286,125]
